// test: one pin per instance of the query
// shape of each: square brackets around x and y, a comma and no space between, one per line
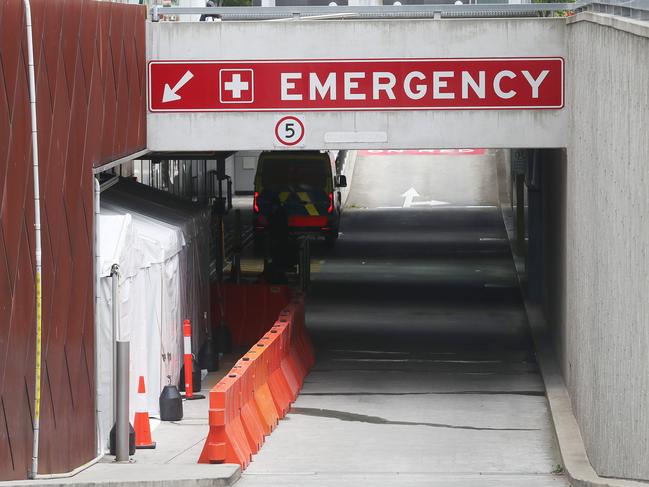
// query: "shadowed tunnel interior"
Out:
[425,365]
[420,282]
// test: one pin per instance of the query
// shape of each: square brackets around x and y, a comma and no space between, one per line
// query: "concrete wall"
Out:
[597,211]
[245,168]
[339,40]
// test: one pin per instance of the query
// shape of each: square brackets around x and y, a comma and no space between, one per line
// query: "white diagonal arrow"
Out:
[170,93]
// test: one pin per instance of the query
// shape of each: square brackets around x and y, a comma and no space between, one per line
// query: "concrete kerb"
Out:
[576,465]
[130,475]
[571,446]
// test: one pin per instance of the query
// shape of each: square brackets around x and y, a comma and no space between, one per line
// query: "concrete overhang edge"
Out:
[632,26]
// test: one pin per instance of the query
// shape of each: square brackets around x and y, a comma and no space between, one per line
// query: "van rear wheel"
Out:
[259,243]
[330,238]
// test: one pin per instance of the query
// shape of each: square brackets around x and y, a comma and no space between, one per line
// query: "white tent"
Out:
[161,246]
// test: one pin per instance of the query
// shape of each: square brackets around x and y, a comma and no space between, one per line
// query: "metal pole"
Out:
[307,262]
[220,248]
[304,263]
[266,250]
[122,424]
[520,214]
[37,240]
[95,330]
[300,263]
[114,274]
[236,247]
[220,208]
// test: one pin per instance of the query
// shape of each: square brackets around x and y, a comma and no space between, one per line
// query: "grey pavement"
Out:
[173,463]
[425,370]
[180,442]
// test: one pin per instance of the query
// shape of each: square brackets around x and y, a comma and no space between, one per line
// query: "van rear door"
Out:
[300,183]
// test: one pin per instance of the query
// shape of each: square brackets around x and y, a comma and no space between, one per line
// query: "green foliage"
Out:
[558,469]
[235,3]
[558,13]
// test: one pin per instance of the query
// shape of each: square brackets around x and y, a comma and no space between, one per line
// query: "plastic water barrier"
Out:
[247,404]
[248,309]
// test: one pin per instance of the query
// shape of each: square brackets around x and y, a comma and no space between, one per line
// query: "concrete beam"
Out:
[333,39]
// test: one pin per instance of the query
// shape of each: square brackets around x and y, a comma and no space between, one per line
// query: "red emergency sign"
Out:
[356,84]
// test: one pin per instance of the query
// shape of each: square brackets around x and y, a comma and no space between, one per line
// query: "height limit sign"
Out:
[289,131]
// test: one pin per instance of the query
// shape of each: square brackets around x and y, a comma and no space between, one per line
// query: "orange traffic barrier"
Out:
[250,416]
[292,380]
[248,309]
[282,396]
[142,427]
[247,404]
[227,441]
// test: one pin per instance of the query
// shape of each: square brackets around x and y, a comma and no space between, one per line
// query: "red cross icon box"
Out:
[236,86]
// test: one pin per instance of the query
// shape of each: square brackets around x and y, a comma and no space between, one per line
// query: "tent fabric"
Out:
[161,245]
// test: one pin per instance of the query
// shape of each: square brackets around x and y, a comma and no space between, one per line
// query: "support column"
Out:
[122,424]
[304,263]
[535,216]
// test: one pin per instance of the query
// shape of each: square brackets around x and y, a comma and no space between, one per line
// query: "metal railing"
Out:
[637,9]
[368,12]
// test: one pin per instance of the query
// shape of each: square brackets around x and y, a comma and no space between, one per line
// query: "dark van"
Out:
[303,187]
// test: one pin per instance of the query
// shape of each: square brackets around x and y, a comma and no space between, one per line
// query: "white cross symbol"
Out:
[236,86]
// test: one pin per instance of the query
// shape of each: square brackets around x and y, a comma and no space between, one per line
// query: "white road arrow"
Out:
[411,194]
[430,203]
[170,93]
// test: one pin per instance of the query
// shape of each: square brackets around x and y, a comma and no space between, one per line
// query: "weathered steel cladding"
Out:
[90,78]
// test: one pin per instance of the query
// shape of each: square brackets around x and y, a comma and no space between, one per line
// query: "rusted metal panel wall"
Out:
[90,73]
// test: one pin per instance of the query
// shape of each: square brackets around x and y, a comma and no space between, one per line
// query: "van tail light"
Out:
[255,206]
[331,203]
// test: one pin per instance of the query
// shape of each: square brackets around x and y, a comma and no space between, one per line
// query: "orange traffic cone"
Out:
[142,428]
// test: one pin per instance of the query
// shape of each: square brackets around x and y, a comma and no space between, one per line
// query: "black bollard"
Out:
[131,440]
[171,404]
